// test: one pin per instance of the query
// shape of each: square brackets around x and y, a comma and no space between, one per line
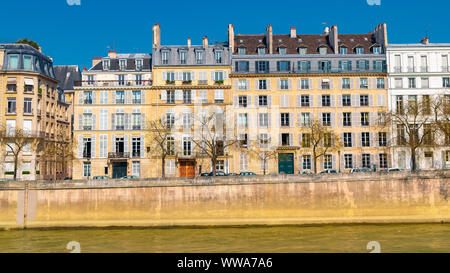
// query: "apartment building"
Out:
[110,116]
[282,82]
[418,73]
[30,103]
[190,82]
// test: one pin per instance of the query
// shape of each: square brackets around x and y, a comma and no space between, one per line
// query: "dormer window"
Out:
[261,51]
[282,50]
[182,56]
[106,64]
[302,50]
[376,50]
[123,64]
[359,50]
[139,63]
[27,62]
[322,50]
[13,62]
[199,56]
[343,50]
[165,57]
[241,50]
[218,56]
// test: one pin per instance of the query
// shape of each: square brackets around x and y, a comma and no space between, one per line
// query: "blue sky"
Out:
[73,34]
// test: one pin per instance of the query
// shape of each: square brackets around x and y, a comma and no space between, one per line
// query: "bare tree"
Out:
[162,142]
[211,137]
[15,140]
[441,112]
[60,150]
[261,149]
[414,126]
[320,140]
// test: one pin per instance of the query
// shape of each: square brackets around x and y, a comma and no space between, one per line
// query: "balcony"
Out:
[203,82]
[113,83]
[135,154]
[118,155]
[86,155]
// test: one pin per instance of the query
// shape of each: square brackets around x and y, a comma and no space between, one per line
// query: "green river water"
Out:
[297,239]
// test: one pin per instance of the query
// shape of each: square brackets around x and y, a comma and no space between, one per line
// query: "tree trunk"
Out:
[163,167]
[413,160]
[213,162]
[315,162]
[15,166]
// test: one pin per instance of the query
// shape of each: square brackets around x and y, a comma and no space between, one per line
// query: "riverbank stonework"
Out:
[258,200]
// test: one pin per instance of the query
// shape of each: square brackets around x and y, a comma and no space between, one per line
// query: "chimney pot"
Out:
[189,42]
[205,41]
[293,32]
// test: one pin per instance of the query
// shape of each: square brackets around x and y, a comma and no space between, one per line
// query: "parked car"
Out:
[218,173]
[129,177]
[232,174]
[363,170]
[330,171]
[204,174]
[305,172]
[247,173]
[68,178]
[100,177]
[396,170]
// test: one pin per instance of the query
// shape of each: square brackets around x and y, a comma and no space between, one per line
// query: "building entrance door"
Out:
[286,163]
[119,169]
[187,168]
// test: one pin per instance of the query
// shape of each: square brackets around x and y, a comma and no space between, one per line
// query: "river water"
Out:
[297,239]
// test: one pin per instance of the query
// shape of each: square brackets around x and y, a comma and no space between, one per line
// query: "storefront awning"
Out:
[29,82]
[11,81]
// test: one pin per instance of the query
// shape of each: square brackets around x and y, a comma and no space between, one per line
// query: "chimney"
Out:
[425,41]
[205,41]
[231,37]
[293,32]
[269,38]
[380,34]
[156,36]
[333,38]
[189,42]
[112,54]
[96,60]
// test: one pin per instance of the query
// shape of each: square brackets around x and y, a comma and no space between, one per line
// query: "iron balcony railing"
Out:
[112,83]
[118,155]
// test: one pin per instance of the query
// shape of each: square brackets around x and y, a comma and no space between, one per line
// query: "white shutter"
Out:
[93,142]
[125,143]
[142,146]
[163,95]
[80,146]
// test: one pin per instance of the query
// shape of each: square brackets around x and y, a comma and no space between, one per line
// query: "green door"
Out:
[119,169]
[286,163]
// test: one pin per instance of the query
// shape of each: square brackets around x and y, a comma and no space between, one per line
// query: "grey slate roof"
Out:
[67,75]
[131,62]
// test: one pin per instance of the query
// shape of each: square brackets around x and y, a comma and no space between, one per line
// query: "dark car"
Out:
[247,173]
[100,177]
[204,174]
[129,177]
[232,174]
[363,170]
[330,171]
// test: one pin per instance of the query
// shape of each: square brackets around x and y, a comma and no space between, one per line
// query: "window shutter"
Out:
[332,100]
[278,84]
[298,100]
[340,83]
[319,100]
[113,143]
[236,84]
[125,143]
[269,87]
[340,122]
[333,119]
[80,146]
[249,100]
[256,85]
[225,75]
[164,76]
[331,83]
[370,100]
[113,121]
[235,101]
[94,97]
[142,96]
[193,75]
[94,122]
[339,101]
[256,101]
[143,121]
[290,84]
[358,82]
[310,84]
[291,121]
[142,146]
[80,122]
[212,75]
[319,84]
[248,84]
[163,95]
[311,100]
[299,84]
[113,97]
[352,83]
[269,100]
[93,142]
[81,97]
[269,120]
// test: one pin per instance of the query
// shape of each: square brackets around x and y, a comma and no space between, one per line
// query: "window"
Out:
[305,100]
[87,147]
[359,50]
[285,137]
[11,85]
[121,79]
[243,140]
[343,50]
[187,96]
[120,97]
[27,126]
[218,96]
[199,56]
[261,51]
[424,83]
[383,161]
[27,63]
[187,121]
[376,50]
[282,50]
[364,119]
[348,140]
[325,84]
[87,121]
[306,162]
[13,61]
[304,66]
[348,161]
[423,64]
[187,146]
[306,140]
[412,82]
[171,76]
[284,119]
[170,96]
[90,79]
[379,66]
[304,83]
[243,120]
[165,57]
[136,147]
[218,56]
[242,101]
[446,82]
[139,64]
[10,127]
[305,119]
[322,50]
[218,75]
[412,104]
[363,83]
[345,83]
[242,66]
[120,121]
[11,106]
[346,100]
[182,56]
[345,65]
[87,169]
[262,100]
[136,168]
[401,139]
[284,84]
[170,120]
[264,140]
[324,66]
[263,119]
[399,104]
[137,121]
[326,100]
[382,139]
[243,162]
[283,66]
[365,139]
[170,145]
[302,50]
[365,160]
[426,104]
[123,64]
[326,119]
[27,102]
[347,119]
[380,83]
[327,162]
[262,66]
[364,100]
[138,79]
[262,84]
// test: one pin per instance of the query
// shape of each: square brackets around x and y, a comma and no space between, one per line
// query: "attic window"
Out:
[241,41]
[123,64]
[260,40]
[322,50]
[376,50]
[365,38]
[300,40]
[282,50]
[105,64]
[359,50]
[302,50]
[261,51]
[241,50]
[343,50]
